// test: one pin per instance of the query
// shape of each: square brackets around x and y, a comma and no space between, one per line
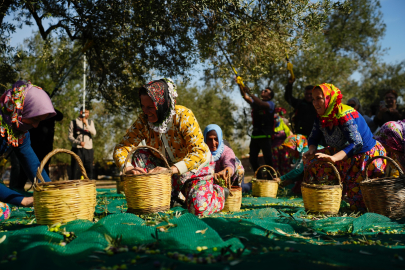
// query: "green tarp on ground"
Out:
[266,233]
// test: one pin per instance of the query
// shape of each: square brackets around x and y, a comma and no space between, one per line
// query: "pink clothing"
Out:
[228,159]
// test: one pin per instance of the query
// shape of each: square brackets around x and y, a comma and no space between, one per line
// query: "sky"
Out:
[394,39]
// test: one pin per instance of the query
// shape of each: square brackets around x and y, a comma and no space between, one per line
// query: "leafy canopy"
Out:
[132,38]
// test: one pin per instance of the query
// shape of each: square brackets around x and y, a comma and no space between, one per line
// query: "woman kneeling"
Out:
[172,129]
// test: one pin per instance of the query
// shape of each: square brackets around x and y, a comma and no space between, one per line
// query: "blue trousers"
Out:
[28,162]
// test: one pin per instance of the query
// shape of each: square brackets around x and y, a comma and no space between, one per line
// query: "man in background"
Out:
[263,124]
[388,110]
[304,111]
[81,131]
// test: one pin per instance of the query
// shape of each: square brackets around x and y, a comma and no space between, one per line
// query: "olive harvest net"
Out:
[267,232]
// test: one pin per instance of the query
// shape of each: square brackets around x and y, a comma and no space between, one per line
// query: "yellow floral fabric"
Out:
[185,140]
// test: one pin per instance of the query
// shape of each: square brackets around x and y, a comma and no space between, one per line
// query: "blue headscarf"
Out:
[216,154]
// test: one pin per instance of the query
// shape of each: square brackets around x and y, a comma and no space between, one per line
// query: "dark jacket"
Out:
[304,112]
[386,117]
[42,136]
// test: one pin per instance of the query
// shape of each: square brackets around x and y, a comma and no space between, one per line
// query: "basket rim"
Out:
[312,186]
[381,181]
[68,182]
[124,176]
[264,180]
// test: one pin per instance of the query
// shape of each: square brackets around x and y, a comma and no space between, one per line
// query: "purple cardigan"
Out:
[227,159]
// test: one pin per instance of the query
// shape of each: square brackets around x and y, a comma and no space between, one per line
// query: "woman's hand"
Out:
[277,180]
[224,173]
[161,169]
[158,169]
[27,201]
[308,154]
[134,170]
[175,170]
[325,157]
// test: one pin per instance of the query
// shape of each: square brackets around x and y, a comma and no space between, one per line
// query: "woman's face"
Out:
[34,121]
[212,140]
[318,100]
[148,108]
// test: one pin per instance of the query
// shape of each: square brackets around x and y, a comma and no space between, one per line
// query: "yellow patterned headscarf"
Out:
[336,113]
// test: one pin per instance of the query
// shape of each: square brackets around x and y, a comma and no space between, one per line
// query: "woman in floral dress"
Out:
[173,130]
[350,144]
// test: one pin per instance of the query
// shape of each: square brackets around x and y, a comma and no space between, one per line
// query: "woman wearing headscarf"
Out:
[172,129]
[349,140]
[296,146]
[281,159]
[22,108]
[224,157]
[392,136]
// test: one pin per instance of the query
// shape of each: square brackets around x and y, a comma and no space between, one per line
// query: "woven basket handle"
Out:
[47,157]
[139,147]
[275,172]
[330,164]
[383,157]
[228,177]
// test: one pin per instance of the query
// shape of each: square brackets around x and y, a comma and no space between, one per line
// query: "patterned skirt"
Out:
[203,197]
[351,172]
[5,211]
[281,160]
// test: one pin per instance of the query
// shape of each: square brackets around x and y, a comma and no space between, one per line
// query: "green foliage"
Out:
[43,63]
[210,106]
[132,38]
[379,77]
[347,43]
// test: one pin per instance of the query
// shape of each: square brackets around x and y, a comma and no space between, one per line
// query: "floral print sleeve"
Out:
[353,136]
[135,134]
[198,152]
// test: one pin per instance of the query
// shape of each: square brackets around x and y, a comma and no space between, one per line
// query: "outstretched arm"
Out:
[288,94]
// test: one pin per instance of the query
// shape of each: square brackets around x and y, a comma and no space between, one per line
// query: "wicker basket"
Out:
[147,192]
[323,199]
[234,200]
[63,201]
[385,196]
[265,188]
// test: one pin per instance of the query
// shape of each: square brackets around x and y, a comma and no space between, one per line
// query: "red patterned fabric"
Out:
[203,197]
[351,172]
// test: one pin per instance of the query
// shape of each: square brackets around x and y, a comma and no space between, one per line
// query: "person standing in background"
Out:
[388,109]
[304,111]
[81,131]
[263,125]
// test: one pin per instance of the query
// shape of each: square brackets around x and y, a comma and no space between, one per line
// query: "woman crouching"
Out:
[224,157]
[173,130]
[349,141]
